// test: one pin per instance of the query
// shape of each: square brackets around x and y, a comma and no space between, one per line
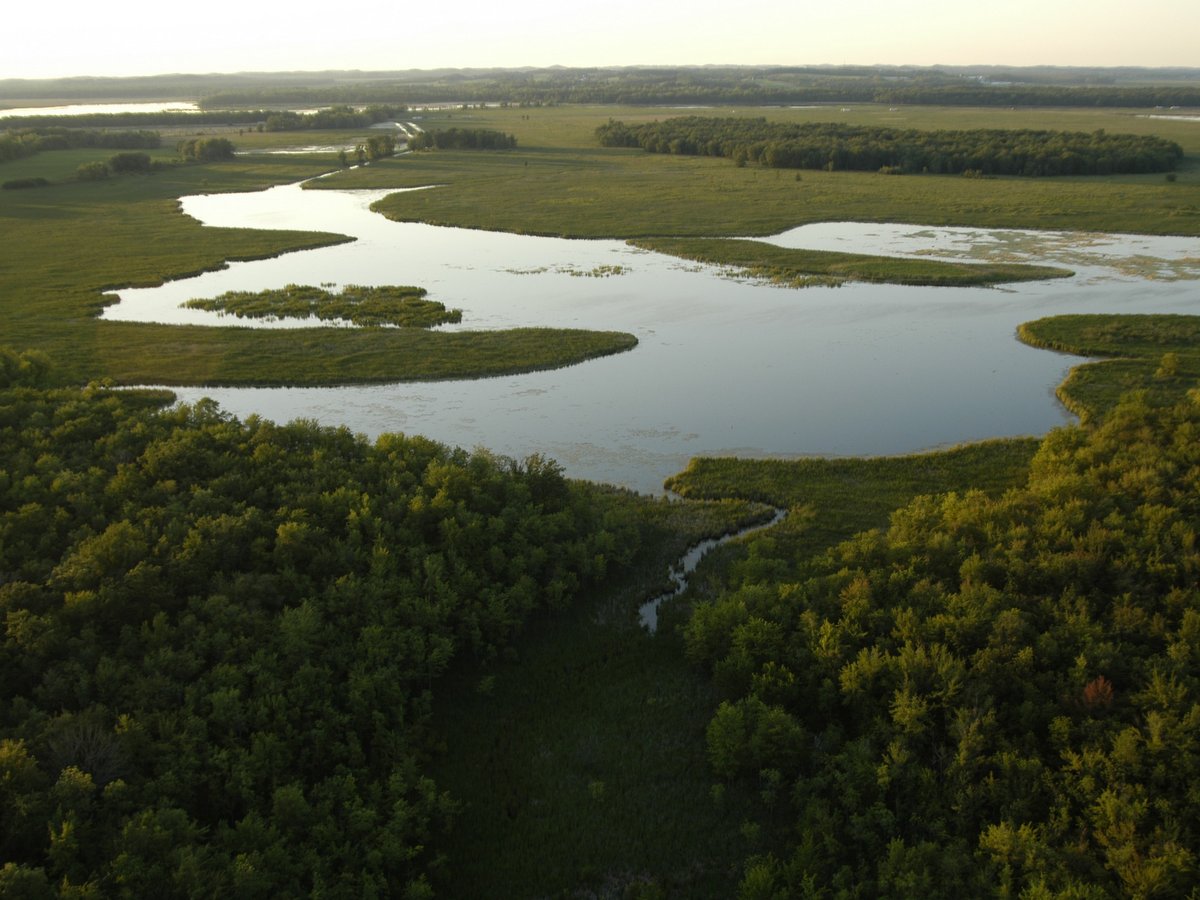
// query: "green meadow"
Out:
[558,181]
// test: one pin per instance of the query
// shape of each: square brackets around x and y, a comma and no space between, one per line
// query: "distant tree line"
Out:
[835,146]
[728,85]
[271,120]
[332,117]
[462,139]
[982,85]
[1041,95]
[758,85]
[26,142]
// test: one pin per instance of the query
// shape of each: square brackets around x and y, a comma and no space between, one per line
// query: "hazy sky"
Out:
[139,37]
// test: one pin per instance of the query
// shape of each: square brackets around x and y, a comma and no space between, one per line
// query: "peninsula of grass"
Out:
[1156,353]
[799,268]
[400,306]
[322,356]
[833,499]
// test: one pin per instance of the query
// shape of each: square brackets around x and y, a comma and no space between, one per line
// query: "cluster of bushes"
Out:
[222,639]
[871,148]
[210,149]
[379,146]
[991,697]
[192,150]
[16,184]
[120,164]
[462,139]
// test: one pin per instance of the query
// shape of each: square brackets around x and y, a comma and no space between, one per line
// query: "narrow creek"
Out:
[648,613]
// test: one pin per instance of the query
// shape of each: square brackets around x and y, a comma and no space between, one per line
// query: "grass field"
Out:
[560,182]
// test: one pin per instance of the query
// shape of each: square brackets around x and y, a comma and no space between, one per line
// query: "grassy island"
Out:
[396,305]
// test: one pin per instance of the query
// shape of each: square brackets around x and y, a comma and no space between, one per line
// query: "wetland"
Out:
[325,663]
[726,363]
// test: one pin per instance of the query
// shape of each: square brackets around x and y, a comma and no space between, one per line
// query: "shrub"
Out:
[18,183]
[92,171]
[206,149]
[130,162]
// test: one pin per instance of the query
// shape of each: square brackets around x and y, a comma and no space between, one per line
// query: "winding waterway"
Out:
[724,366]
[648,611]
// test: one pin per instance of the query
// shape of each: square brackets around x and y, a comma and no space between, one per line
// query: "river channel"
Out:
[724,365]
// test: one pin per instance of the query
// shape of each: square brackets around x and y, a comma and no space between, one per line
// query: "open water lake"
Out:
[724,366]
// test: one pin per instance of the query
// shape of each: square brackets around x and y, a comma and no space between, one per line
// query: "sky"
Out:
[139,37]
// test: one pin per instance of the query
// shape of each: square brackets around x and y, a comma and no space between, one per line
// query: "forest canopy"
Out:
[990,697]
[835,146]
[462,139]
[221,638]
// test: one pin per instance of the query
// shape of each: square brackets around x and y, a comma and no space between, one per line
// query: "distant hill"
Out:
[974,85]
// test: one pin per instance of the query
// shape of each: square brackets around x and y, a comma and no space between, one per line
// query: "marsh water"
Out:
[86,109]
[724,365]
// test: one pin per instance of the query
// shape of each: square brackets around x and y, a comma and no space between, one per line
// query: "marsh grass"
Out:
[199,355]
[832,499]
[581,760]
[798,268]
[1159,354]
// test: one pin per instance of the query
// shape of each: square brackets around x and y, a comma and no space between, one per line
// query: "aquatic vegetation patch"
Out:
[402,306]
[603,271]
[804,268]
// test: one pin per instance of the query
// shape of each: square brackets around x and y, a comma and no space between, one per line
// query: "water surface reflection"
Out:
[724,366]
